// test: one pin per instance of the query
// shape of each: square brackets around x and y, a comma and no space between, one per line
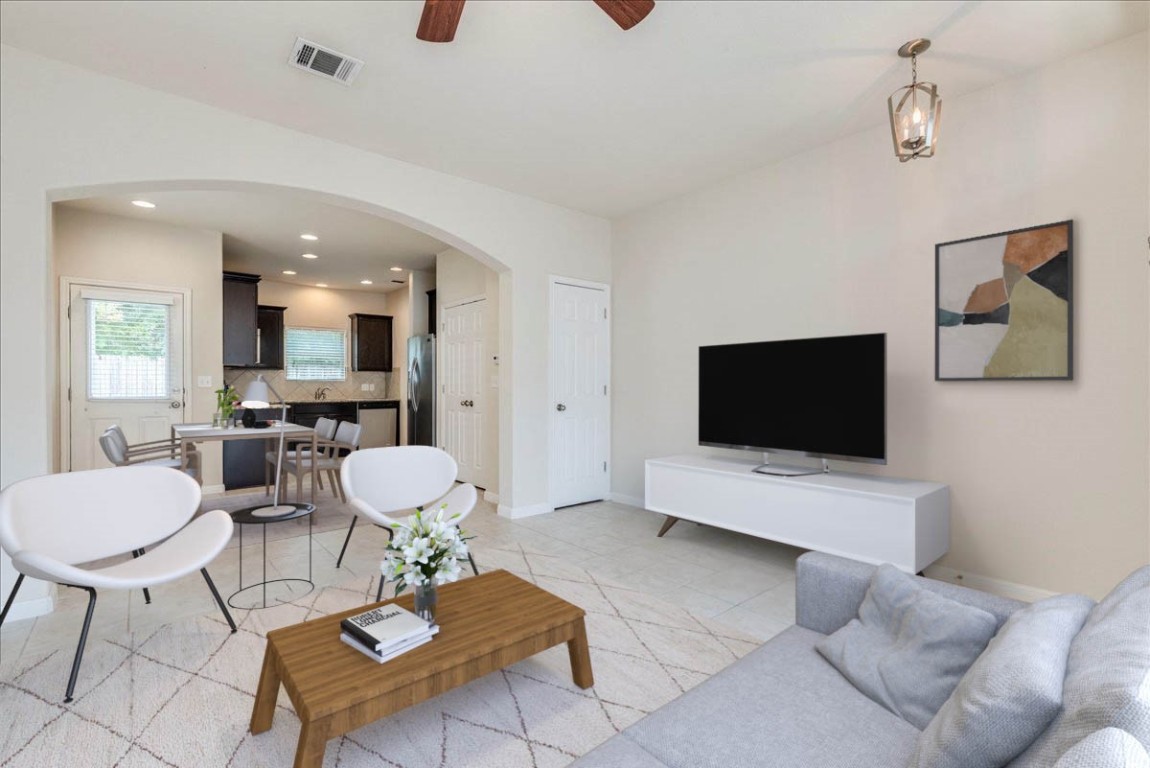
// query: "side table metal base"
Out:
[244,517]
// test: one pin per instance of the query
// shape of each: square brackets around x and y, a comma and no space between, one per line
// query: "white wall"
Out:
[1049,479]
[65,131]
[459,277]
[311,307]
[127,250]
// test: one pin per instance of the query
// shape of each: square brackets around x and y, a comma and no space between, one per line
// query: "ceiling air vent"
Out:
[324,61]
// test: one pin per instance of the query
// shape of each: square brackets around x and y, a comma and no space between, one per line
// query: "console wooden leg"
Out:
[580,657]
[670,521]
[267,691]
[312,743]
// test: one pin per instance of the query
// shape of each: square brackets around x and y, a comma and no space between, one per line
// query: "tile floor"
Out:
[738,580]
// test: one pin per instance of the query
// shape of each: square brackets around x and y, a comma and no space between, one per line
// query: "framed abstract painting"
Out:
[1004,305]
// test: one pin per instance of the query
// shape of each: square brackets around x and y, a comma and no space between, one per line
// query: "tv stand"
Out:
[865,517]
[784,470]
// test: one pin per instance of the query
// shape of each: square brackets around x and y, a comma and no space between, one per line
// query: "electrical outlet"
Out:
[364,387]
[204,382]
[371,387]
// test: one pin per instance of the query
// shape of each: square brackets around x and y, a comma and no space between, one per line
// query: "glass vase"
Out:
[426,598]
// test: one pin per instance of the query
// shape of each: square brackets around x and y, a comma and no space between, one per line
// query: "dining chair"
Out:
[56,526]
[324,430]
[162,453]
[329,459]
[380,482]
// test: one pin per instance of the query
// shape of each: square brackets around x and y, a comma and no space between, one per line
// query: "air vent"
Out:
[401,282]
[324,61]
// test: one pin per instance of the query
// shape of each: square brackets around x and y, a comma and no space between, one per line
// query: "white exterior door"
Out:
[581,406]
[126,361]
[464,416]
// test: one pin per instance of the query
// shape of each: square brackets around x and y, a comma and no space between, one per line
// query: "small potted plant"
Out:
[424,552]
[226,400]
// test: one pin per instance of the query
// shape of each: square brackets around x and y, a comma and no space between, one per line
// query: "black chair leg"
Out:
[219,601]
[11,598]
[147,596]
[350,528]
[379,592]
[471,560]
[83,641]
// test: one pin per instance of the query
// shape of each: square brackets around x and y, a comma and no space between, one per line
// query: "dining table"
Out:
[187,434]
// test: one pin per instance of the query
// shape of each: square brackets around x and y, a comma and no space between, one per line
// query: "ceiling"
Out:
[552,99]
[262,235]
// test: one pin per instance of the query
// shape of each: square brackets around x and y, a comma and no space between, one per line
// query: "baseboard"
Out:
[631,501]
[30,609]
[527,510]
[491,497]
[212,489]
[998,587]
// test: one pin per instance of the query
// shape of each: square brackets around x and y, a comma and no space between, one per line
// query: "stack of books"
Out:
[386,632]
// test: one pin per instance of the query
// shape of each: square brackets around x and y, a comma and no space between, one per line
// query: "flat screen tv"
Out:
[809,397]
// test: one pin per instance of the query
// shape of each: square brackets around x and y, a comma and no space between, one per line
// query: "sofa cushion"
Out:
[1107,675]
[782,705]
[619,752]
[1010,694]
[1107,748]
[909,647]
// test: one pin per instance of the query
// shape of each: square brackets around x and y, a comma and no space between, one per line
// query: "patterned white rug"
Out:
[181,696]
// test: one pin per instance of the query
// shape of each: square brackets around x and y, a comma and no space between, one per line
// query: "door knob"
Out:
[470,403]
[560,407]
[176,404]
[463,403]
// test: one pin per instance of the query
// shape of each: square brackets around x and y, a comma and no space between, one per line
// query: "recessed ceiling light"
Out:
[321,285]
[289,271]
[306,236]
[397,269]
[143,204]
[310,256]
[365,282]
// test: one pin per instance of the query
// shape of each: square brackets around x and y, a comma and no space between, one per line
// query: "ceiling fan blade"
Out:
[626,13]
[439,20]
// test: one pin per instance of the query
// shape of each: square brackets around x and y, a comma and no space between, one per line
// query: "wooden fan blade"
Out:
[439,20]
[626,13]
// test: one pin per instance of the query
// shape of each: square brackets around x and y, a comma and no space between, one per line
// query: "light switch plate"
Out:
[204,382]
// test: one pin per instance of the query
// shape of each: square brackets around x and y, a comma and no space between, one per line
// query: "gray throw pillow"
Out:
[1010,694]
[1107,748]
[1107,675]
[908,648]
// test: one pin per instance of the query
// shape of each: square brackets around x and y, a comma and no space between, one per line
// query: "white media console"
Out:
[864,517]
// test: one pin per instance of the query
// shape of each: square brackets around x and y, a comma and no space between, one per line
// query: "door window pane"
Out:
[314,354]
[128,345]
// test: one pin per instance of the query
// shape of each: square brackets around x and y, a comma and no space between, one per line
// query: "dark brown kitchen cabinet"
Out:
[370,342]
[270,322]
[240,319]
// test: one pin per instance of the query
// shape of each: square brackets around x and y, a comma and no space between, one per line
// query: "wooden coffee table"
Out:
[486,623]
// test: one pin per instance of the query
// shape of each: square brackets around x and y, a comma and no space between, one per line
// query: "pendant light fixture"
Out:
[915,110]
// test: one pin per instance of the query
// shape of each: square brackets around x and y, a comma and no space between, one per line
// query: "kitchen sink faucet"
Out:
[321,393]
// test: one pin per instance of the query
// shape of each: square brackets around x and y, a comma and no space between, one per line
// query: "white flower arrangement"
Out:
[425,548]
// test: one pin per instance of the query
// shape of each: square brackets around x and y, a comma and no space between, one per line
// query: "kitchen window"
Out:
[315,354]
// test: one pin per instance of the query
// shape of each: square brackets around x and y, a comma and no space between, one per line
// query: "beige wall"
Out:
[459,277]
[115,248]
[311,307]
[1049,479]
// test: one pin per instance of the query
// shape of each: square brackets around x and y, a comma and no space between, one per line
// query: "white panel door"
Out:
[580,408]
[126,355]
[464,402]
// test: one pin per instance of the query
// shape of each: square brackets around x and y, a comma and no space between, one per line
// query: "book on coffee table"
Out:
[383,627]
[394,650]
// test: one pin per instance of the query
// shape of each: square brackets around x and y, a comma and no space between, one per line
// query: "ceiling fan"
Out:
[441,17]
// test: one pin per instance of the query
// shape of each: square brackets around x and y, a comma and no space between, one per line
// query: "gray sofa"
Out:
[784,705]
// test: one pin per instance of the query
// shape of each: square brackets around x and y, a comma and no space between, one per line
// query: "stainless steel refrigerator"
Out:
[421,390]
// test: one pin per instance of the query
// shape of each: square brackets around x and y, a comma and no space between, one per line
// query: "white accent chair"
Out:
[324,430]
[161,453]
[51,526]
[379,482]
[328,459]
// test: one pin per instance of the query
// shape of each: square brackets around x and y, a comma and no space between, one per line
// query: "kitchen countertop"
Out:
[345,400]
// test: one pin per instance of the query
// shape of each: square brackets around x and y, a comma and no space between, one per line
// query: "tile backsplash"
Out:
[386,386]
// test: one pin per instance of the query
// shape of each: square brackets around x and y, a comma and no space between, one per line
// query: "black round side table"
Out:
[244,517]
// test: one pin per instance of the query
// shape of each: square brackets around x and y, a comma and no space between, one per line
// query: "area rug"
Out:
[181,696]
